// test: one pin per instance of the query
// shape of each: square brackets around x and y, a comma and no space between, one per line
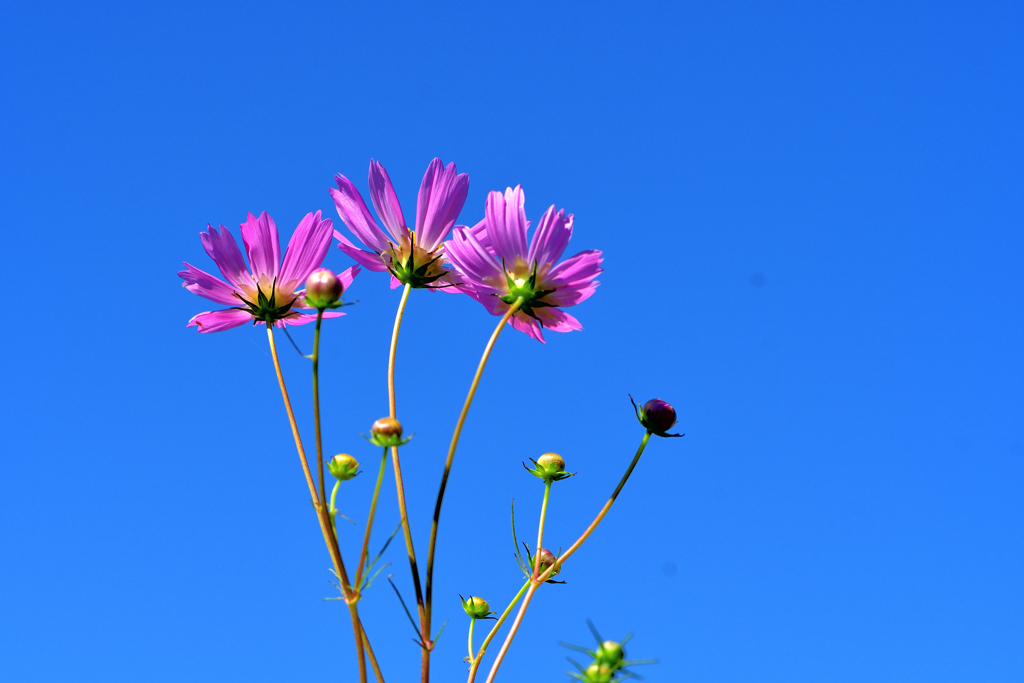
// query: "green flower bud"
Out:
[476,608]
[551,463]
[387,431]
[323,289]
[610,653]
[598,673]
[549,467]
[343,466]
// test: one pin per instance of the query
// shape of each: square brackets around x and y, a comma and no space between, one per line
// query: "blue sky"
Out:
[811,219]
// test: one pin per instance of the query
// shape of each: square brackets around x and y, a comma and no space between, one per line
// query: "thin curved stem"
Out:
[556,566]
[369,520]
[400,491]
[326,526]
[451,452]
[494,631]
[472,623]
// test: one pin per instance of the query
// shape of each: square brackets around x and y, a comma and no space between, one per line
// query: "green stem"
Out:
[540,528]
[316,406]
[494,631]
[472,622]
[451,454]
[369,521]
[550,571]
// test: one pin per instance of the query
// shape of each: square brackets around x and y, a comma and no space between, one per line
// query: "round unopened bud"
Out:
[610,653]
[551,463]
[598,673]
[547,558]
[387,427]
[658,416]
[343,466]
[323,288]
[476,607]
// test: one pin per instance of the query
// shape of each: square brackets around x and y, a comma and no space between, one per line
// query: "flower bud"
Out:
[551,463]
[386,432]
[343,466]
[547,558]
[657,416]
[476,607]
[549,467]
[610,653]
[598,673]
[323,289]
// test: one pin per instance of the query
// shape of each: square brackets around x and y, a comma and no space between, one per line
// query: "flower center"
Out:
[413,265]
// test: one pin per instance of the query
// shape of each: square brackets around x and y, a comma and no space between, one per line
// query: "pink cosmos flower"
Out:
[414,257]
[497,267]
[267,291]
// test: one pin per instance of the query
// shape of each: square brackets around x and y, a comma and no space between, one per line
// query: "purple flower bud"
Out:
[343,466]
[658,416]
[323,288]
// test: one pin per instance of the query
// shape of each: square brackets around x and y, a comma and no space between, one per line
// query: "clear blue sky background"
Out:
[812,223]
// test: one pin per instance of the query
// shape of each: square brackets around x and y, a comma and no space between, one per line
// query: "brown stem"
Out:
[400,490]
[451,452]
[321,512]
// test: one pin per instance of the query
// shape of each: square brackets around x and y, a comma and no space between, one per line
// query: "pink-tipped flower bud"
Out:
[323,289]
[476,608]
[387,431]
[547,558]
[610,653]
[343,466]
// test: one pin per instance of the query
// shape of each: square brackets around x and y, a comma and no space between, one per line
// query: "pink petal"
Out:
[506,223]
[551,237]
[441,198]
[305,318]
[578,269]
[356,216]
[347,276]
[207,286]
[306,249]
[262,245]
[557,320]
[223,249]
[367,259]
[471,258]
[525,323]
[382,194]
[216,321]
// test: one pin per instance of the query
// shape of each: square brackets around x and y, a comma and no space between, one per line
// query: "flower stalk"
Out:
[555,567]
[451,455]
[326,527]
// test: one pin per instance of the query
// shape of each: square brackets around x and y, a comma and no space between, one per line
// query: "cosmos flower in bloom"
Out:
[414,257]
[496,266]
[268,291]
